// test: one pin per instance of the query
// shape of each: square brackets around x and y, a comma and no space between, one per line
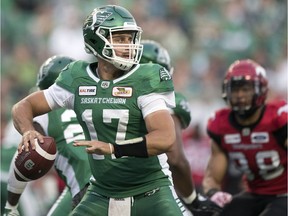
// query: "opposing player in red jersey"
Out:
[252,134]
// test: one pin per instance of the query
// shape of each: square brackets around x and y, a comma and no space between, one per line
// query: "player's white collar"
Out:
[96,79]
[92,75]
[127,74]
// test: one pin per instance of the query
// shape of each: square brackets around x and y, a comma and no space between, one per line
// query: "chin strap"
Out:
[247,113]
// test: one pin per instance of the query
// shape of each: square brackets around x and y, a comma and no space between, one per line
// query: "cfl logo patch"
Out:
[105,84]
[29,164]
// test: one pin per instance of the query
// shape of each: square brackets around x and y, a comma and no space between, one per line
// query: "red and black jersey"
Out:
[258,150]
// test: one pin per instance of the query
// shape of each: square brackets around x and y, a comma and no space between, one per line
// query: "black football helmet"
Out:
[100,25]
[50,70]
[243,72]
[154,52]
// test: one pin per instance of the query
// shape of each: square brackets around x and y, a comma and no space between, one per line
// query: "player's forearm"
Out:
[160,141]
[182,178]
[179,165]
[216,169]
[22,116]
[209,183]
[214,174]
[25,110]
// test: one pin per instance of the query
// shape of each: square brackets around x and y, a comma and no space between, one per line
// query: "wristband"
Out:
[211,192]
[110,147]
[191,198]
[134,147]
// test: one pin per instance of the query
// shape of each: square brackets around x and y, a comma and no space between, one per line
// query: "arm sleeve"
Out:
[154,102]
[57,97]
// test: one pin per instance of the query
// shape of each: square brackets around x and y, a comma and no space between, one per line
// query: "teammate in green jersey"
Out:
[122,107]
[71,163]
[154,52]
[8,147]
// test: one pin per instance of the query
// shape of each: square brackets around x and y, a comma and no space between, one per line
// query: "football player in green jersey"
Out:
[122,107]
[8,148]
[154,52]
[71,163]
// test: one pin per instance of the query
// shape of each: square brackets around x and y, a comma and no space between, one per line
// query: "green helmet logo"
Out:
[50,70]
[101,24]
[96,18]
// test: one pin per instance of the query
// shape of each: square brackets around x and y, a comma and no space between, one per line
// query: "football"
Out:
[36,163]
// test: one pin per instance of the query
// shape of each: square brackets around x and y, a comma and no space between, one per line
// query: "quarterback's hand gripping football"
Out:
[221,198]
[94,146]
[29,138]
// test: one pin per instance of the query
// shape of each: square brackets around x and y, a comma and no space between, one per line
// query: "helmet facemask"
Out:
[132,51]
[248,74]
[252,91]
[240,107]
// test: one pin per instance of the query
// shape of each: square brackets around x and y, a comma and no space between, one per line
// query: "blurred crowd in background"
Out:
[203,38]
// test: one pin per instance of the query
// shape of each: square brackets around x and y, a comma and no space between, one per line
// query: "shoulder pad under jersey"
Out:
[182,110]
[153,78]
[69,75]
[218,120]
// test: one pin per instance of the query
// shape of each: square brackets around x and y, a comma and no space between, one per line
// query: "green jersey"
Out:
[71,163]
[111,111]
[182,110]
